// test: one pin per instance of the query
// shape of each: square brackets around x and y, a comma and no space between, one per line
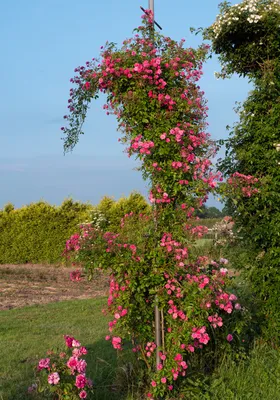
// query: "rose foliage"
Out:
[151,87]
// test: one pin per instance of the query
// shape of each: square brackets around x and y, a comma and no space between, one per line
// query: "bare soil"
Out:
[23,285]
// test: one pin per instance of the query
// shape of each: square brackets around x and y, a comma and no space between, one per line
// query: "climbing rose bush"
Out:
[151,85]
[151,88]
[245,183]
[198,310]
[63,374]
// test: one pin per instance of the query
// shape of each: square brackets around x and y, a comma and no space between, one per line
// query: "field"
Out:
[22,285]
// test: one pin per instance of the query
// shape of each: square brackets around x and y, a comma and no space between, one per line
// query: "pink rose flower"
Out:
[44,363]
[83,394]
[229,338]
[72,363]
[81,381]
[117,342]
[75,343]
[81,366]
[53,378]
[68,341]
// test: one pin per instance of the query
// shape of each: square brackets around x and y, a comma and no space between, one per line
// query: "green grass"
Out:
[204,242]
[27,333]
[255,379]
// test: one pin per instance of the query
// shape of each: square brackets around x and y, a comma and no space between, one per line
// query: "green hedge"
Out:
[37,233]
[113,211]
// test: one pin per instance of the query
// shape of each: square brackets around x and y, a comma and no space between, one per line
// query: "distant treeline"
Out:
[211,212]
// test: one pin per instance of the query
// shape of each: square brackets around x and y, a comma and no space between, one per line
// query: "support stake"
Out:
[158,333]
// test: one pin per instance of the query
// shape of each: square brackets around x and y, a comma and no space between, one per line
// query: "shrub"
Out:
[37,233]
[245,36]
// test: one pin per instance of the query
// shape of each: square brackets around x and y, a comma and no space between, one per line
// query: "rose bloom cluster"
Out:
[204,282]
[246,183]
[184,143]
[65,368]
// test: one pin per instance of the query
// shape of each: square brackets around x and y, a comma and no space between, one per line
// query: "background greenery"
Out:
[252,50]
[37,233]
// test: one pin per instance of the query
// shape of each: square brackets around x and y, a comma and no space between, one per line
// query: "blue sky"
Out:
[41,42]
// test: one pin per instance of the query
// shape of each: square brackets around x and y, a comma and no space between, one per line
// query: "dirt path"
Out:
[22,285]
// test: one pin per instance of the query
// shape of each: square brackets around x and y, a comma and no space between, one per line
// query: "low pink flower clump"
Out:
[69,364]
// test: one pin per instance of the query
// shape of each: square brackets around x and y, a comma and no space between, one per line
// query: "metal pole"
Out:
[158,334]
[157,312]
[152,6]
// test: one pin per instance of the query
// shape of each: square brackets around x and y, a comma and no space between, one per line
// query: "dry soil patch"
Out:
[22,285]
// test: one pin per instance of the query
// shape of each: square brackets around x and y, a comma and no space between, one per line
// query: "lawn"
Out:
[27,333]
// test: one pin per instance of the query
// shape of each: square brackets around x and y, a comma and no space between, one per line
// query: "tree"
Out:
[209,212]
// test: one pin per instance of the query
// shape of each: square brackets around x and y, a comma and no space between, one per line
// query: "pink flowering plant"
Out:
[243,185]
[152,88]
[198,310]
[62,374]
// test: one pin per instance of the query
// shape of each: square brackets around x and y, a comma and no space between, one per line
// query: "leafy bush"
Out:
[246,37]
